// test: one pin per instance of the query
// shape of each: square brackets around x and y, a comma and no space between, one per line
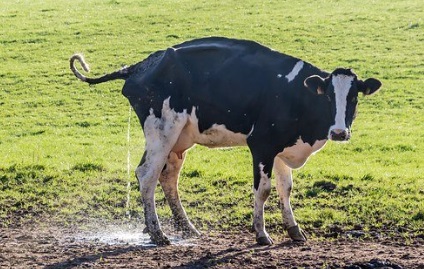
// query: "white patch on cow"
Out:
[251,130]
[342,85]
[261,195]
[297,155]
[161,134]
[216,136]
[279,76]
[219,136]
[261,171]
[296,69]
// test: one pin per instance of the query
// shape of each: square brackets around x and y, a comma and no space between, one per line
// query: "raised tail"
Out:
[124,73]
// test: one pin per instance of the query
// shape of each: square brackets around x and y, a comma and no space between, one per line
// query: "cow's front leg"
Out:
[283,175]
[261,189]
[169,182]
[147,174]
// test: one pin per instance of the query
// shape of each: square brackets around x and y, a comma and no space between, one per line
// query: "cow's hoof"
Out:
[191,232]
[188,230]
[161,242]
[160,239]
[264,241]
[297,234]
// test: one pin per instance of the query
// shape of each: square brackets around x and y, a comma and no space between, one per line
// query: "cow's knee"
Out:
[146,178]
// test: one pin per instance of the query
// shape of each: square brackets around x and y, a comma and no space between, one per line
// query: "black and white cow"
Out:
[221,92]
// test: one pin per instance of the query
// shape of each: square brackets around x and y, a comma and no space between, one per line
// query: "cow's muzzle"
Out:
[339,135]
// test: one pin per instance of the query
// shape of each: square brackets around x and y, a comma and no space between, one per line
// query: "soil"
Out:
[31,246]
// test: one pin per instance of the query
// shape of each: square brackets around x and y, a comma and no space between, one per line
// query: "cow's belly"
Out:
[219,136]
[216,136]
[297,155]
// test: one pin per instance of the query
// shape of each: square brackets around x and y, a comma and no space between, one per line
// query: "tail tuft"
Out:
[81,60]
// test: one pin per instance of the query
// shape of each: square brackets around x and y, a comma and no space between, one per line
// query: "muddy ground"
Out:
[52,247]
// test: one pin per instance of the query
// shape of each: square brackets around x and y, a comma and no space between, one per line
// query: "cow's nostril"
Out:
[339,135]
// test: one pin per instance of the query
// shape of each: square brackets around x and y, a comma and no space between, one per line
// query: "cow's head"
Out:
[342,88]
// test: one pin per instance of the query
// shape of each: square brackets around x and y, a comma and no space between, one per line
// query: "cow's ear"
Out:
[369,86]
[316,84]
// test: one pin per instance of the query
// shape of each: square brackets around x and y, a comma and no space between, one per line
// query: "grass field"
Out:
[63,145]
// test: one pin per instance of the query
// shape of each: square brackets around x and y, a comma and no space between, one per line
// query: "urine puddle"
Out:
[118,235]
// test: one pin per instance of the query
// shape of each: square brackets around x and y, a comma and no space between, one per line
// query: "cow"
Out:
[222,92]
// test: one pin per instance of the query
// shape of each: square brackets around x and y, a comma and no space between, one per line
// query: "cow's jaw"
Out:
[342,85]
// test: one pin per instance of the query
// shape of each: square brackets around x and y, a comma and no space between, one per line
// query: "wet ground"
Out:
[103,246]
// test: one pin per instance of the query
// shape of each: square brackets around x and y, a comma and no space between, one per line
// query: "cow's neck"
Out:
[314,121]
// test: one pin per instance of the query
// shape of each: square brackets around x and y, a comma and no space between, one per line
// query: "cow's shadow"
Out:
[204,260]
[92,258]
[227,255]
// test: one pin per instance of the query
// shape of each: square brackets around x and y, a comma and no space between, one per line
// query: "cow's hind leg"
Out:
[283,175]
[169,182]
[147,174]
[161,134]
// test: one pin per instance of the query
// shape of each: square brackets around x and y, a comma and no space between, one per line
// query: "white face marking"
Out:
[342,85]
[296,69]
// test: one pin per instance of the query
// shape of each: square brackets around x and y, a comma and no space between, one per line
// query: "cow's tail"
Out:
[124,73]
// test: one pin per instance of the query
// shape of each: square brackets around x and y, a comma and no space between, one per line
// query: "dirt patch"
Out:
[53,247]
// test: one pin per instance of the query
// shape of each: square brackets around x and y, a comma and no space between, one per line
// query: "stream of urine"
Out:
[128,231]
[127,204]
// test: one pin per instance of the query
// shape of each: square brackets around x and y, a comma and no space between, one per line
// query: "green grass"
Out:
[63,146]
